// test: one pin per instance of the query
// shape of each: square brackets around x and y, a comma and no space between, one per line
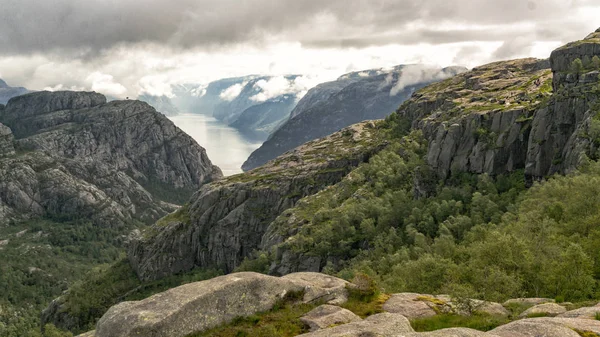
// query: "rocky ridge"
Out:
[72,155]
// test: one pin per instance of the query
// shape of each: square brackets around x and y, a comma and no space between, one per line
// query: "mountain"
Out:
[162,104]
[255,105]
[76,175]
[483,187]
[354,97]
[7,92]
[259,121]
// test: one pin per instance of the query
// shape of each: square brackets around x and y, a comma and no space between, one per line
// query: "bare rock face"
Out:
[410,305]
[80,157]
[321,287]
[547,327]
[326,316]
[583,313]
[385,324]
[549,309]
[6,141]
[199,306]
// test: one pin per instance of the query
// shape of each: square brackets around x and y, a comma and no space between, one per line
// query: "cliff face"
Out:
[351,99]
[226,220]
[80,157]
[522,114]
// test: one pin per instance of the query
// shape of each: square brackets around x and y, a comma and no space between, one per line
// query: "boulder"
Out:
[534,328]
[528,301]
[548,309]
[410,305]
[490,308]
[585,313]
[321,287]
[547,327]
[195,307]
[385,324]
[326,316]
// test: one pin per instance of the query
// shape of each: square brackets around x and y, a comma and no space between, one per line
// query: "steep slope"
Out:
[162,104]
[353,98]
[7,92]
[259,121]
[225,220]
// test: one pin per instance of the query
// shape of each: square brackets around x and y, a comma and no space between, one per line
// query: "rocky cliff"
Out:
[225,220]
[353,98]
[522,114]
[80,157]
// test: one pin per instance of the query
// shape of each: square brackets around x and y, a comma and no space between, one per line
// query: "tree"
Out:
[587,62]
[577,66]
[596,62]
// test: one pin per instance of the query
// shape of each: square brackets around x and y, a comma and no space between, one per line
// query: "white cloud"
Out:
[199,91]
[233,91]
[413,74]
[105,84]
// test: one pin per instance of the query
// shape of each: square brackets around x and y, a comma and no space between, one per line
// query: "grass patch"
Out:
[586,333]
[281,321]
[479,322]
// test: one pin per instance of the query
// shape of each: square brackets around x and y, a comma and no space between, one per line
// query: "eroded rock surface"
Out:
[326,316]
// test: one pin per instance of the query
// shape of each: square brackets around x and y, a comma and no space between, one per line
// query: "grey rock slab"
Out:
[385,324]
[550,309]
[326,316]
[195,307]
[321,287]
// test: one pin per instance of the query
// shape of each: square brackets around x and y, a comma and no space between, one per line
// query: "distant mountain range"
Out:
[7,92]
[352,98]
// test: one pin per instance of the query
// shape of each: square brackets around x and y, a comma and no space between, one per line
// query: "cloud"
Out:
[233,91]
[87,28]
[279,85]
[105,84]
[413,74]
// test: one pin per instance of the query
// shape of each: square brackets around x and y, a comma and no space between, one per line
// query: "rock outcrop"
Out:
[7,147]
[583,313]
[80,157]
[384,324]
[326,316]
[412,306]
[196,307]
[522,114]
[228,218]
[547,309]
[353,98]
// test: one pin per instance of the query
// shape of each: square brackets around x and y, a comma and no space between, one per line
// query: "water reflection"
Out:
[225,146]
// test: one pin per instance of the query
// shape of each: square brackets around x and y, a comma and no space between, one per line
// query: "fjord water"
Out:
[225,146]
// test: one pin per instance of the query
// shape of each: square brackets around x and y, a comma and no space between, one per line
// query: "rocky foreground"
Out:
[197,307]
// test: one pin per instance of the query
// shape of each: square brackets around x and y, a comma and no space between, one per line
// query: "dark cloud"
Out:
[28,26]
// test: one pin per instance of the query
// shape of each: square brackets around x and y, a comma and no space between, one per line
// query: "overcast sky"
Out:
[127,47]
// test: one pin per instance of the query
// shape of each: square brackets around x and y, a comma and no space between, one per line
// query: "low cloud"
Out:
[105,84]
[280,85]
[414,74]
[232,92]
